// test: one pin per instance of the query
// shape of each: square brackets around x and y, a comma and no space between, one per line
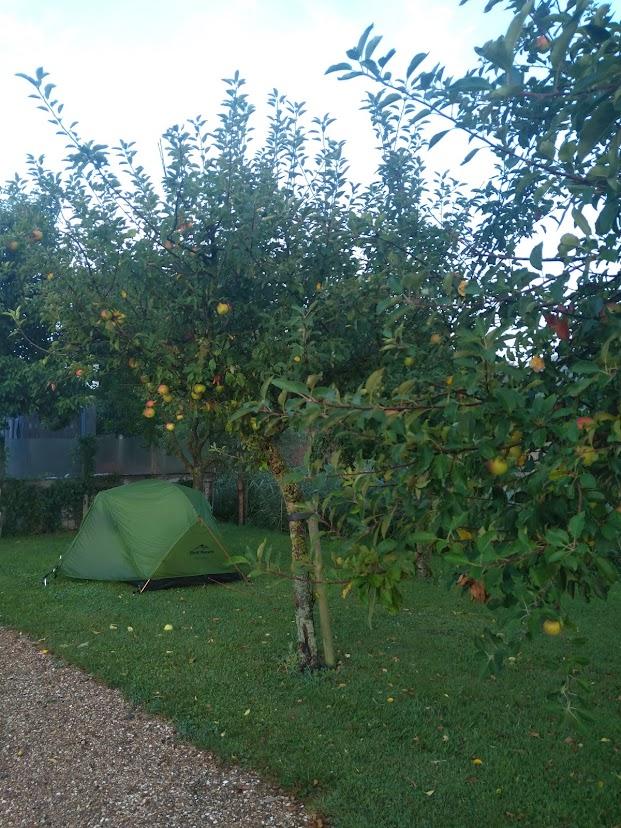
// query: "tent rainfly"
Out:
[152,534]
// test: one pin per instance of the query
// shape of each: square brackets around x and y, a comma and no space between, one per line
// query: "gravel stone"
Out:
[75,754]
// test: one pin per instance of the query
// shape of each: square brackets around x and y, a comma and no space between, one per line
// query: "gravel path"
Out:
[74,753]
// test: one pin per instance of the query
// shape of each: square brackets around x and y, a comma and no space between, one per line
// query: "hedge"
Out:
[31,509]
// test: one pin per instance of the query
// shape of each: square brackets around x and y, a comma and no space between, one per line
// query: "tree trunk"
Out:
[198,478]
[421,562]
[241,500]
[208,490]
[308,658]
[321,593]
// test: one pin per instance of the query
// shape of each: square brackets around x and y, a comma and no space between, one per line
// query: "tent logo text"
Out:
[201,550]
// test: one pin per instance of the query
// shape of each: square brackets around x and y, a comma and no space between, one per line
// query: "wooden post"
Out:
[241,500]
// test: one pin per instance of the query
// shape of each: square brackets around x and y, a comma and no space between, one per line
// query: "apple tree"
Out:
[205,285]
[505,456]
[28,261]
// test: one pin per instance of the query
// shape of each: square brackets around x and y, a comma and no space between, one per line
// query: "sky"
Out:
[129,69]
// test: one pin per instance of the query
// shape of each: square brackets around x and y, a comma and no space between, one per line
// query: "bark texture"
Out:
[322,595]
[421,562]
[308,658]
[198,478]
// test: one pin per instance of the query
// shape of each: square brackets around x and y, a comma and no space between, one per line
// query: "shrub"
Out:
[31,509]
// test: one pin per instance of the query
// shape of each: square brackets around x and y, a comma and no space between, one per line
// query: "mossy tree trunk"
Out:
[321,592]
[191,455]
[308,658]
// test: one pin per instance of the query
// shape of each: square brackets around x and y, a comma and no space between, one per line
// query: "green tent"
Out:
[150,533]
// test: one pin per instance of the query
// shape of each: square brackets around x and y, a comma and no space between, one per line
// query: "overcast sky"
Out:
[130,68]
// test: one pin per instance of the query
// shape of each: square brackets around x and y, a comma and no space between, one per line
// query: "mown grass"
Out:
[224,675]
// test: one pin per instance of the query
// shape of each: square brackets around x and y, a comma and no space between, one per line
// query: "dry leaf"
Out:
[478,592]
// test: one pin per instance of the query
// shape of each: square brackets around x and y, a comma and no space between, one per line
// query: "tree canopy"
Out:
[457,350]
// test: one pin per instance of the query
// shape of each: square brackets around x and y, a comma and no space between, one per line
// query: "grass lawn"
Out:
[388,738]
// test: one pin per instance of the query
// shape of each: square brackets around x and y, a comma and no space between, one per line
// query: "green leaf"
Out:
[554,555]
[497,53]
[26,77]
[363,39]
[371,46]
[606,568]
[517,24]
[536,256]
[547,150]
[350,75]
[557,537]
[470,156]
[370,66]
[567,150]
[338,67]
[602,121]
[420,115]
[422,537]
[607,217]
[415,63]
[570,241]
[374,382]
[561,44]
[293,387]
[576,524]
[384,60]
[390,99]
[437,137]
[471,83]
[581,222]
